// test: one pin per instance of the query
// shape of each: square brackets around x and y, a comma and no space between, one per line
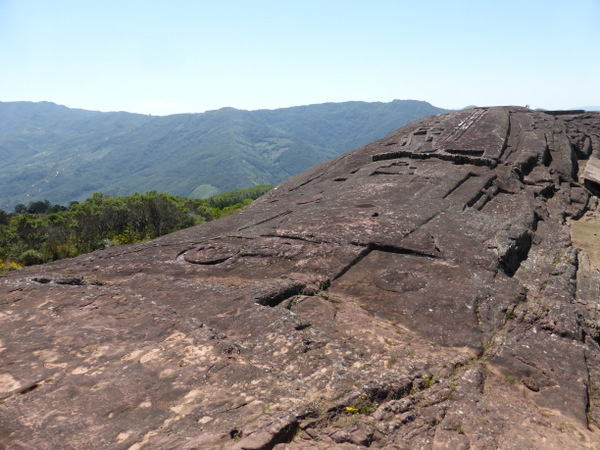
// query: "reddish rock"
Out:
[421,291]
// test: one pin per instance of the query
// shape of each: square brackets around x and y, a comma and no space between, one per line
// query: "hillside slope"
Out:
[61,154]
[422,291]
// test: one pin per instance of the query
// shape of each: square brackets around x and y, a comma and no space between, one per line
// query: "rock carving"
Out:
[422,291]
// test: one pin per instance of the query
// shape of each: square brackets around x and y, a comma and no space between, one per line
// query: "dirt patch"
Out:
[585,234]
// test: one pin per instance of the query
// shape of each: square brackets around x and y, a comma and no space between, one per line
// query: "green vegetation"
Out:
[458,427]
[50,151]
[238,196]
[429,380]
[364,406]
[42,232]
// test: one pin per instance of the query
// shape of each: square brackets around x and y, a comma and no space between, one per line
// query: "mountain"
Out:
[432,289]
[60,154]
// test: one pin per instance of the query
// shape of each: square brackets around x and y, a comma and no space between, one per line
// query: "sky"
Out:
[165,57]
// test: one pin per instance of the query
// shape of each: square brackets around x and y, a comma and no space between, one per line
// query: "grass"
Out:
[453,385]
[364,406]
[430,380]
[236,435]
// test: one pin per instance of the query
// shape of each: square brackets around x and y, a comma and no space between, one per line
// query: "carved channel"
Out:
[275,298]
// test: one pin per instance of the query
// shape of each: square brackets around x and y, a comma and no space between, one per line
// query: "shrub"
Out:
[8,266]
[31,257]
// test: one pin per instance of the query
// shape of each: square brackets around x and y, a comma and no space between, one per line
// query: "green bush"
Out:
[55,232]
[31,257]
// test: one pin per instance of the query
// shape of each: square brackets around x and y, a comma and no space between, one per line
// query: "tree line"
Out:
[43,232]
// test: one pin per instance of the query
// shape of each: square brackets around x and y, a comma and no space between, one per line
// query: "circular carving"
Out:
[399,281]
[211,254]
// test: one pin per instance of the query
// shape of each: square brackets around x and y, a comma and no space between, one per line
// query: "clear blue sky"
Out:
[170,56]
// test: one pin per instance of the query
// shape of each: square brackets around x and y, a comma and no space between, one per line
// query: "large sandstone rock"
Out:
[419,292]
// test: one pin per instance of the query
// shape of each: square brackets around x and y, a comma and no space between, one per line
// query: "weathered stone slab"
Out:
[421,291]
[591,172]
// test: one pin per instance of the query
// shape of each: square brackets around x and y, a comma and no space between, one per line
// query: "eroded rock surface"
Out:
[419,292]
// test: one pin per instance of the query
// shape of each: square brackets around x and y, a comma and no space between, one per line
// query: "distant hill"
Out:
[60,154]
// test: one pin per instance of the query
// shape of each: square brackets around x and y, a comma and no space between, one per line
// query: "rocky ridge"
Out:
[422,291]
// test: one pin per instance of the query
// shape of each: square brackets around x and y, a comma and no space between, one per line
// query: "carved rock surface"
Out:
[419,292]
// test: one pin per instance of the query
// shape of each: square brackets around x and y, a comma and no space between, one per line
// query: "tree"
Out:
[4,218]
[40,207]
[31,230]
[31,257]
[88,225]
[165,214]
[55,232]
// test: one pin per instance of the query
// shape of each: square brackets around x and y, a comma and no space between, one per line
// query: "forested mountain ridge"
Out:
[61,154]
